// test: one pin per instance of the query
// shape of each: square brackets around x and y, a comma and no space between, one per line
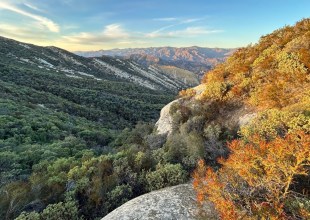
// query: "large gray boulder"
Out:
[172,203]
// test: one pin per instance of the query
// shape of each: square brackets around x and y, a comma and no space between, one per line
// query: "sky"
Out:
[82,25]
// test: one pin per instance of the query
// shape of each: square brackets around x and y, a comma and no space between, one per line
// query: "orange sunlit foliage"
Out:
[305,56]
[259,179]
[203,177]
[187,93]
[270,74]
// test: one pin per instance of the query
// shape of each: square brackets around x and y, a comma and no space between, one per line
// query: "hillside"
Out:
[56,106]
[194,59]
[258,101]
[63,62]
[60,113]
[64,82]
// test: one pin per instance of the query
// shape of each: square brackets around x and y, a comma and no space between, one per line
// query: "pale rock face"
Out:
[164,123]
[172,203]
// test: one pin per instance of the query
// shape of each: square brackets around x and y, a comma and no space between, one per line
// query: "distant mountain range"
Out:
[194,59]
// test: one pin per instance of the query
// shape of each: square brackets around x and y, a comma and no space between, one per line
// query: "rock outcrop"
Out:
[172,203]
[164,123]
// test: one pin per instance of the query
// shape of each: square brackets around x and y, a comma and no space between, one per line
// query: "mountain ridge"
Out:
[196,59]
[57,59]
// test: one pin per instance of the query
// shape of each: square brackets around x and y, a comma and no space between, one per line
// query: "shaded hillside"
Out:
[59,61]
[81,87]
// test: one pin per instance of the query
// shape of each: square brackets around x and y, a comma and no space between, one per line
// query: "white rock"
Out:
[164,123]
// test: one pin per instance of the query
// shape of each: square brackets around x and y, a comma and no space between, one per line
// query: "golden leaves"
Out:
[258,174]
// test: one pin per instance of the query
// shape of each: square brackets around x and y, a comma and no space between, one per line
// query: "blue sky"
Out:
[106,24]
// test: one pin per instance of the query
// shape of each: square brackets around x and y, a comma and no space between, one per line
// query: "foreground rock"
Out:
[173,203]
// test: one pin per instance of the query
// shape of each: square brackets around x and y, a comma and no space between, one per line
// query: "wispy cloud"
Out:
[116,34]
[153,33]
[193,31]
[49,24]
[67,2]
[180,21]
[190,20]
[183,33]
[111,33]
[33,7]
[165,19]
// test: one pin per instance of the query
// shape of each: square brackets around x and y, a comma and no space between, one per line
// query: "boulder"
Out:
[164,123]
[172,203]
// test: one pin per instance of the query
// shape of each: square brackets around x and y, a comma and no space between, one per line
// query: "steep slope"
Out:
[259,102]
[252,112]
[111,91]
[151,77]
[61,61]
[194,59]
[271,76]
[187,77]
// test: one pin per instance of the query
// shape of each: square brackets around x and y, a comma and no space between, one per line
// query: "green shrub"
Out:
[165,175]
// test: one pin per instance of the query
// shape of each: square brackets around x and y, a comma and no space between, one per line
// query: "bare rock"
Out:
[172,203]
[164,123]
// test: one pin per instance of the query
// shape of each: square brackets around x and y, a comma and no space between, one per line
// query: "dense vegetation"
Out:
[61,138]
[267,173]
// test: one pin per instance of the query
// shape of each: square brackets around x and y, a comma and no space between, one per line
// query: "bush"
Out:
[61,210]
[119,195]
[272,123]
[165,175]
[259,179]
